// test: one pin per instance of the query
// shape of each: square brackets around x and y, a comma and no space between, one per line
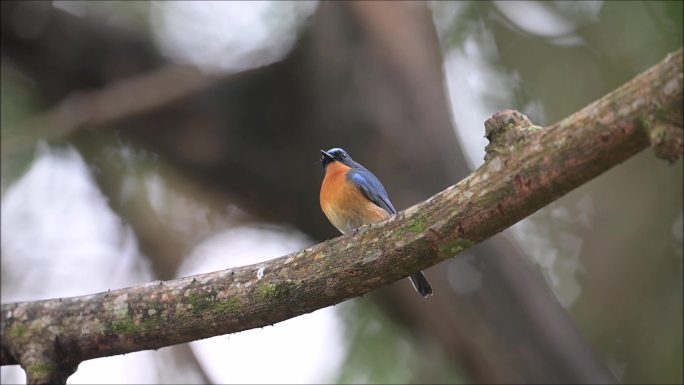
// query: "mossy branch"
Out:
[526,168]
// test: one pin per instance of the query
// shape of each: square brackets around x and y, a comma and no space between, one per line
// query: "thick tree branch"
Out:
[527,168]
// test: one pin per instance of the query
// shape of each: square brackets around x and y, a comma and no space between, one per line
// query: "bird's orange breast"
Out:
[343,203]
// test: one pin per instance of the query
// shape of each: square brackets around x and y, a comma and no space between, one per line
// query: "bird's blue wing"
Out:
[371,188]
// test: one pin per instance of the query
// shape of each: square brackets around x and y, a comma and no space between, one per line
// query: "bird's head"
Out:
[336,155]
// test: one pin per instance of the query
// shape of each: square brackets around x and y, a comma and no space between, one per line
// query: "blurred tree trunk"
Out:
[365,76]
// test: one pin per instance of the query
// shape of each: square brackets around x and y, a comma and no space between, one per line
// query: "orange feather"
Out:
[344,203]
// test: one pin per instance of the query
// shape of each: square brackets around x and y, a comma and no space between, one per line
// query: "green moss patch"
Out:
[455,247]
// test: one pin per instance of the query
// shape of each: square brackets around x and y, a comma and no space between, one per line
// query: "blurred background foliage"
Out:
[190,185]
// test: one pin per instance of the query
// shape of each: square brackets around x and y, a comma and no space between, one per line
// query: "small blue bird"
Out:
[351,196]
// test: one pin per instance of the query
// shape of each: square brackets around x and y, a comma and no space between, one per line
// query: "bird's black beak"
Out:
[326,155]
[326,159]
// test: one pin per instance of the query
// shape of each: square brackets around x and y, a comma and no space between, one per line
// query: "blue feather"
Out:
[371,187]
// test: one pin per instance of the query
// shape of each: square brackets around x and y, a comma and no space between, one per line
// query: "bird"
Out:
[351,197]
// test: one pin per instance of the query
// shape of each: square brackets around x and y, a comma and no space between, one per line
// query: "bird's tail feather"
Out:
[421,284]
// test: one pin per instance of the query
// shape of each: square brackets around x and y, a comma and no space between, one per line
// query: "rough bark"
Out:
[527,167]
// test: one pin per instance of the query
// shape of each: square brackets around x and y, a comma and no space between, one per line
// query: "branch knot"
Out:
[504,129]
[667,141]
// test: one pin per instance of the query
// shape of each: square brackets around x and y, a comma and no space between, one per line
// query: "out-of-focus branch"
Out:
[118,101]
[527,167]
[64,53]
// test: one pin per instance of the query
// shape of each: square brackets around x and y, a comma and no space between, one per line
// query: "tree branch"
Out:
[121,100]
[527,167]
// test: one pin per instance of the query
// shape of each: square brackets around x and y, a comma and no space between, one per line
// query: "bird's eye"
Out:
[343,155]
